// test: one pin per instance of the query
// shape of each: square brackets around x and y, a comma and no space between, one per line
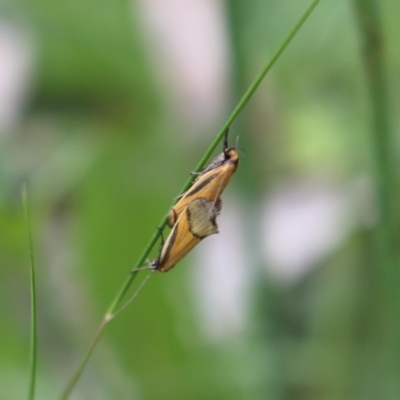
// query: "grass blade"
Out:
[33,346]
[384,299]
[367,13]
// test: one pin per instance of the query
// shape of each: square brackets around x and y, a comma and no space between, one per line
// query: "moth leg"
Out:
[147,267]
[142,269]
[179,197]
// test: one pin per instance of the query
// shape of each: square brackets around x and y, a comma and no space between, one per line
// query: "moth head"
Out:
[231,155]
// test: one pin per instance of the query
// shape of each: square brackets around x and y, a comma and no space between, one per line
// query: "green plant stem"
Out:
[33,346]
[385,249]
[373,60]
[384,300]
[79,369]
[142,259]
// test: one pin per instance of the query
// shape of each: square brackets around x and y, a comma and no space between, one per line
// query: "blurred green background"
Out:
[105,108]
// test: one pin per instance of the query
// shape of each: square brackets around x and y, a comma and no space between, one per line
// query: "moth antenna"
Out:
[226,138]
[146,267]
[237,142]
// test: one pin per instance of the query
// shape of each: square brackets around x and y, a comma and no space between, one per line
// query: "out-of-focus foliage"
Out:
[103,153]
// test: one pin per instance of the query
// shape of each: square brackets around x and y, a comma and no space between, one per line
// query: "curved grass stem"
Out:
[385,276]
[33,346]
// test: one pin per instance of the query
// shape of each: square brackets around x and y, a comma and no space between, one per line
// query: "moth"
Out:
[210,182]
[195,222]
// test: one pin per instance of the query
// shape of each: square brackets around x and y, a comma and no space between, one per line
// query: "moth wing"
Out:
[173,216]
[202,186]
[217,206]
[216,162]
[201,215]
[179,242]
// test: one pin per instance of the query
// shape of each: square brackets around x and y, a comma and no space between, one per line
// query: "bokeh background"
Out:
[105,108]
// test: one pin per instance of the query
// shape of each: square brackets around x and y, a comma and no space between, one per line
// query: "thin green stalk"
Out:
[142,259]
[33,346]
[385,249]
[384,301]
[373,61]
